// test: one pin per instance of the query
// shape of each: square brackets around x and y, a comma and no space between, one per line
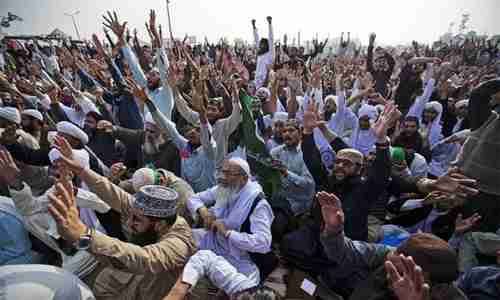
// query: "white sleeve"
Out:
[199,200]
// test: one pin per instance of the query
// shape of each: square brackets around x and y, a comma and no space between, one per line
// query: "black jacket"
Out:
[357,194]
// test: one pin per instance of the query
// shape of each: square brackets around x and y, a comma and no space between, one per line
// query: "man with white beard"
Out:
[232,203]
[156,148]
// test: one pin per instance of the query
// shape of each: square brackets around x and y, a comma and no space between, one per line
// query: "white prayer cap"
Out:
[81,156]
[72,130]
[352,155]
[243,164]
[10,114]
[331,98]
[264,92]
[142,177]
[268,121]
[435,106]
[462,103]
[41,282]
[33,113]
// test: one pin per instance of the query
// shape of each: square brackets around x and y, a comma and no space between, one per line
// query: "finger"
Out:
[466,191]
[466,182]
[65,194]
[58,205]
[426,290]
[398,263]
[411,268]
[106,19]
[58,217]
[8,158]
[392,272]
[110,16]
[3,161]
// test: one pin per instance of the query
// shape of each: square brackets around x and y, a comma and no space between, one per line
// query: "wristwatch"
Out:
[83,243]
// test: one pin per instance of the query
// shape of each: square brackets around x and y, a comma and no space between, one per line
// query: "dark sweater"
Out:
[357,195]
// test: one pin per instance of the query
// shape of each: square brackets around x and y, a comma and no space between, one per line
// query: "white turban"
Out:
[33,113]
[81,156]
[462,103]
[11,114]
[72,130]
[264,91]
[142,177]
[242,163]
[435,106]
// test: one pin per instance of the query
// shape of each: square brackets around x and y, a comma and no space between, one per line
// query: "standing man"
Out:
[265,54]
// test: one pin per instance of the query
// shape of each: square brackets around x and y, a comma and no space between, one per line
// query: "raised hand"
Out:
[331,210]
[464,225]
[386,120]
[339,82]
[98,47]
[9,136]
[64,211]
[136,90]
[406,279]
[67,158]
[311,118]
[372,38]
[9,171]
[112,22]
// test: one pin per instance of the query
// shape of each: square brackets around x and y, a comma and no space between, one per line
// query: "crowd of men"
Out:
[177,171]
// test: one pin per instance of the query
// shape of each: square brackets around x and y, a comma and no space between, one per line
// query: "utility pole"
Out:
[169,21]
[72,15]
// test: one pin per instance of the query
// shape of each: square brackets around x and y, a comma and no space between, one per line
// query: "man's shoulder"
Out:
[277,150]
[180,229]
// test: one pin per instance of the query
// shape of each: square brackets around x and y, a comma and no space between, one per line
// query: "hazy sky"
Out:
[394,21]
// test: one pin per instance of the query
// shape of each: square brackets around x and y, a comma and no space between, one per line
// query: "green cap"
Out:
[397,154]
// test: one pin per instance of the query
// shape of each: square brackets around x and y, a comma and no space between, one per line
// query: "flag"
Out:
[258,157]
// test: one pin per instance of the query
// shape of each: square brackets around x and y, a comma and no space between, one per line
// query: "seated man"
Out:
[234,200]
[145,269]
[297,185]
[361,269]
[147,176]
[38,221]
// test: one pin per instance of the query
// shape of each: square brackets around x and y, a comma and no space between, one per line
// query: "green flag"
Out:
[258,157]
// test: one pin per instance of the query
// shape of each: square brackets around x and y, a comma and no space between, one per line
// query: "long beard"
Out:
[224,195]
[146,238]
